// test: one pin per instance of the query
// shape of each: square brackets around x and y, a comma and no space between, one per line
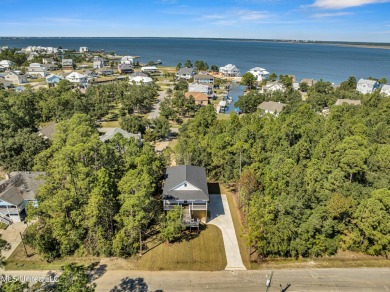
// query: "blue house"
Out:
[52,80]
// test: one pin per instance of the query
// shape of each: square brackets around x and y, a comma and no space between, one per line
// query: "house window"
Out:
[185,184]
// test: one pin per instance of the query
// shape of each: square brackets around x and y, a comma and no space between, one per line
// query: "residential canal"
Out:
[235,91]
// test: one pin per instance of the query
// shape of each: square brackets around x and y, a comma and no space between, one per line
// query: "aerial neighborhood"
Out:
[190,167]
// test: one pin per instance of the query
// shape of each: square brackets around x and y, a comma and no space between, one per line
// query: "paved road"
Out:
[373,279]
[220,216]
[156,108]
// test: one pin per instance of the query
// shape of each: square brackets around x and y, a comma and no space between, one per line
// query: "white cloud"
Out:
[238,16]
[340,4]
[336,14]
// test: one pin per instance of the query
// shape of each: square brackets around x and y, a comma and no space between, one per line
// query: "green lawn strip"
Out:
[19,261]
[337,261]
[223,116]
[244,251]
[112,124]
[204,252]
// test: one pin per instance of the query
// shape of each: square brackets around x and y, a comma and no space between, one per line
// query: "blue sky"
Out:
[340,20]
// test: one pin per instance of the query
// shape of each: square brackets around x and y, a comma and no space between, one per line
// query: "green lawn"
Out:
[112,124]
[223,116]
[19,261]
[204,252]
[198,252]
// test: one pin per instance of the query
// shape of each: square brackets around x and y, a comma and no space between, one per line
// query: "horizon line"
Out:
[211,38]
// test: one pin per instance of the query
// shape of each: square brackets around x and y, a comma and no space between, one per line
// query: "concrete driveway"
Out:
[12,236]
[220,216]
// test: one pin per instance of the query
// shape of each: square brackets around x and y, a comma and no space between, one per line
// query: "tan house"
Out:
[199,97]
[67,64]
[15,78]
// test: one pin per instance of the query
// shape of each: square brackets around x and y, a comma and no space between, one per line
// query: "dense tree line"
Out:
[309,184]
[22,113]
[98,198]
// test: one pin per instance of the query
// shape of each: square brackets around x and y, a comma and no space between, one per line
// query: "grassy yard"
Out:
[19,261]
[343,259]
[112,124]
[223,116]
[198,252]
[204,252]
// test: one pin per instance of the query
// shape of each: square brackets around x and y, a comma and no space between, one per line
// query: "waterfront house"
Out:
[185,73]
[52,80]
[149,69]
[125,69]
[386,90]
[78,78]
[15,77]
[229,70]
[367,86]
[83,49]
[67,64]
[16,191]
[109,133]
[186,186]
[273,87]
[206,88]
[272,107]
[6,64]
[129,60]
[309,81]
[259,73]
[341,101]
[199,97]
[139,78]
[204,78]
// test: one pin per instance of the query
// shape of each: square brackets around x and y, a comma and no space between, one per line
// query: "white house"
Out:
[367,86]
[138,80]
[260,73]
[98,63]
[386,90]
[185,73]
[230,70]
[37,70]
[129,60]
[83,49]
[149,69]
[273,87]
[76,77]
[6,64]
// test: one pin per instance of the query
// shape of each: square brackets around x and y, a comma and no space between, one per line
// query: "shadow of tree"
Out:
[132,285]
[96,271]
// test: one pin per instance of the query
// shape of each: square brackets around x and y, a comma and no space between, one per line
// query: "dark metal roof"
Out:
[194,175]
[21,186]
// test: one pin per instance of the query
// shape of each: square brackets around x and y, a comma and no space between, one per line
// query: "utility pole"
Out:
[268,282]
[25,250]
